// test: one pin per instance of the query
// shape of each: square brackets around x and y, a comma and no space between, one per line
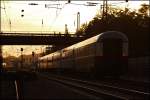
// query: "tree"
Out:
[135,25]
[144,9]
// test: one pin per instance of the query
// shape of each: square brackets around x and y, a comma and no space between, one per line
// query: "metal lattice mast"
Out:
[105,7]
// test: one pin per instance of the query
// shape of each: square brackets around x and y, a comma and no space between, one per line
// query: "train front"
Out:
[111,54]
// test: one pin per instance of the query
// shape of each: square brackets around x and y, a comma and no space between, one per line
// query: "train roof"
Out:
[46,57]
[99,37]
[113,34]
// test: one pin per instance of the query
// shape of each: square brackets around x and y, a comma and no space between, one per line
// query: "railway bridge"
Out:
[35,38]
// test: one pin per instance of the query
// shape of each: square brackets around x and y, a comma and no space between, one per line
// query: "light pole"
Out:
[1,56]
[78,21]
[1,59]
[21,57]
[33,60]
[66,29]
[42,52]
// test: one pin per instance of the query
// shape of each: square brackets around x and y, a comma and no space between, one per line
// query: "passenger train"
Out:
[105,54]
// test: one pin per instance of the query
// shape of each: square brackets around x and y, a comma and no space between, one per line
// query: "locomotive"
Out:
[105,54]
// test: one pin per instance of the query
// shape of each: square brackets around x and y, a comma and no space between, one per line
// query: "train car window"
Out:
[84,50]
[91,49]
[77,52]
[112,47]
[80,53]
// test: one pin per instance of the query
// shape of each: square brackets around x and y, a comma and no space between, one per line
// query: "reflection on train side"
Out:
[105,54]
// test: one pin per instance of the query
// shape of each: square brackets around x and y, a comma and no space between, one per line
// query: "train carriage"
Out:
[104,54]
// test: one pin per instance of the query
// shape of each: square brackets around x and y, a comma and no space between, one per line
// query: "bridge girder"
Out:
[39,40]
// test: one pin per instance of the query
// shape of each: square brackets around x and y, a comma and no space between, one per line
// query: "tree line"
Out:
[134,24]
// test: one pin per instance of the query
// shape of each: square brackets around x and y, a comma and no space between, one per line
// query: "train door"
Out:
[112,53]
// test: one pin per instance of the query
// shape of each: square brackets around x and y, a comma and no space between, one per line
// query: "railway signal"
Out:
[33,53]
[22,12]
[22,15]
[69,1]
[21,57]
[21,49]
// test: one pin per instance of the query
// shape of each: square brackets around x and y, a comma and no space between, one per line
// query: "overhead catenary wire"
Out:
[59,5]
[57,15]
[8,18]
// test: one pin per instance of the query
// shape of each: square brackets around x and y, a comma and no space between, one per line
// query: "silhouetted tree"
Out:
[134,24]
[144,10]
[82,29]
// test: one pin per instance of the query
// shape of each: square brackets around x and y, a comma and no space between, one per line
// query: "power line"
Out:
[8,18]
[57,15]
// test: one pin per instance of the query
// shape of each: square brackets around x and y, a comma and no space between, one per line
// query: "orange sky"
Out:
[53,19]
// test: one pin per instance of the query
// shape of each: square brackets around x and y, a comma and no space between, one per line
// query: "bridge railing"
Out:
[37,33]
[40,32]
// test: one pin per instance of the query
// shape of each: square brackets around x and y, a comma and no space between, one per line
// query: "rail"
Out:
[101,89]
[17,90]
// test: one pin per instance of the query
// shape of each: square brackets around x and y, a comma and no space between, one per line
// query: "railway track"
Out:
[12,85]
[8,86]
[19,89]
[100,89]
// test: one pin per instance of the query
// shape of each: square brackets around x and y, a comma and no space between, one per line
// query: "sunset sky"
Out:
[50,15]
[53,19]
